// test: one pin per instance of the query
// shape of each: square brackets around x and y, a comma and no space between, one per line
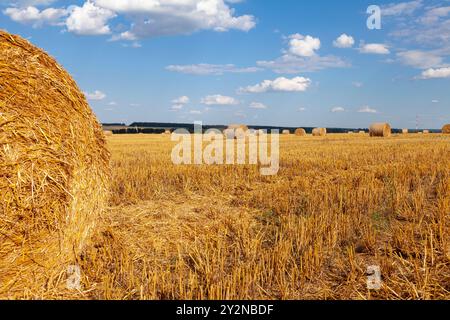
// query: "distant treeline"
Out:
[161,127]
[134,130]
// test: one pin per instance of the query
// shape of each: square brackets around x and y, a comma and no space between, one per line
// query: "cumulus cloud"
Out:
[374,48]
[210,69]
[180,102]
[33,16]
[436,73]
[89,20]
[303,46]
[282,84]
[95,96]
[168,17]
[337,109]
[148,18]
[420,59]
[402,8]
[301,56]
[257,105]
[219,100]
[344,41]
[367,109]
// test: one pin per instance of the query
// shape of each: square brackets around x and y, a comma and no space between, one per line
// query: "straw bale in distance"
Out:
[380,130]
[319,132]
[286,132]
[54,169]
[426,131]
[236,131]
[405,131]
[107,133]
[446,129]
[300,132]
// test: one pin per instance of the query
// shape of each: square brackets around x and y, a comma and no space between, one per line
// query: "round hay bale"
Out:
[319,132]
[380,130]
[167,131]
[229,133]
[236,131]
[54,169]
[405,131]
[446,129]
[286,132]
[300,132]
[426,131]
[108,133]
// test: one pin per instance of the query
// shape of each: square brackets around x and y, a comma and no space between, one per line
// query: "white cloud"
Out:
[89,20]
[181,100]
[289,64]
[96,95]
[219,100]
[357,84]
[402,8]
[436,73]
[27,3]
[420,59]
[33,16]
[435,14]
[374,48]
[297,84]
[344,41]
[300,57]
[434,101]
[169,17]
[303,46]
[367,109]
[195,112]
[257,105]
[301,109]
[210,69]
[337,109]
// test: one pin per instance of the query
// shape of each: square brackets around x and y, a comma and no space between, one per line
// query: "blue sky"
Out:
[261,62]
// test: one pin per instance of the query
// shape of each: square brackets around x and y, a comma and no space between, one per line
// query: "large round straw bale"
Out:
[287,132]
[446,129]
[426,131]
[54,168]
[300,132]
[319,132]
[236,131]
[380,130]
[405,131]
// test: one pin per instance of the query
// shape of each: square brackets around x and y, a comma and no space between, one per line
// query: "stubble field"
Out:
[338,204]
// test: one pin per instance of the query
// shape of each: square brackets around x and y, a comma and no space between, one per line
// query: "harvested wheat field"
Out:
[336,206]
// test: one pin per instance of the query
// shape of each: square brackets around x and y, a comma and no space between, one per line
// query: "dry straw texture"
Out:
[54,169]
[236,131]
[446,129]
[319,132]
[300,132]
[380,130]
